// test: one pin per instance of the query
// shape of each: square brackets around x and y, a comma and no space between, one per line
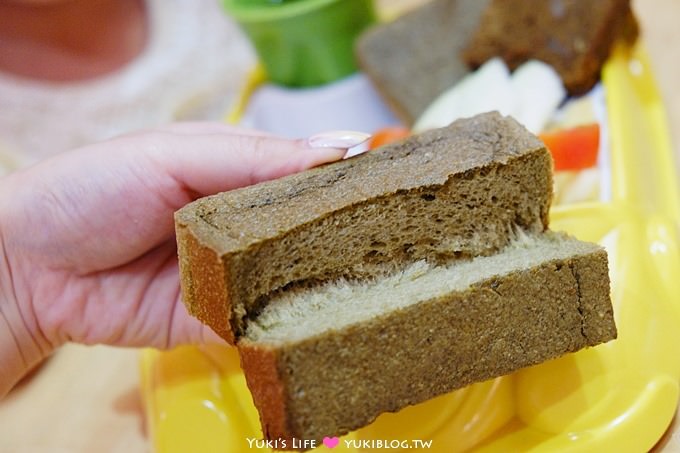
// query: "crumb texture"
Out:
[542,297]
[296,315]
[443,195]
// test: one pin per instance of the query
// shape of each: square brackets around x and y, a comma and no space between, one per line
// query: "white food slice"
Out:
[531,95]
[486,89]
[538,92]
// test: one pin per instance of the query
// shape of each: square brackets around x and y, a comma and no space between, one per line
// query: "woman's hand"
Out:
[87,247]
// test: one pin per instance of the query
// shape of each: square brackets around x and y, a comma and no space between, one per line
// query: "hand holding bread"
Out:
[87,238]
[431,255]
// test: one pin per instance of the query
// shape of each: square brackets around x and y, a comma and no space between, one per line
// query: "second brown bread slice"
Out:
[446,194]
[324,361]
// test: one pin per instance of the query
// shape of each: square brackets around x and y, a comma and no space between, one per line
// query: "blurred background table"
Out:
[86,399]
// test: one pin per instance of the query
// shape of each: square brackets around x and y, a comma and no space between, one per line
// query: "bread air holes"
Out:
[371,256]
[377,252]
[407,248]
[377,245]
[428,196]
[488,171]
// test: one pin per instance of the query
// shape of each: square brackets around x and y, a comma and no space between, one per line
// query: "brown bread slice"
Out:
[574,36]
[415,58]
[443,195]
[328,360]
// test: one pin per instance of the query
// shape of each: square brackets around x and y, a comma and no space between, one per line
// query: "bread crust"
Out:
[203,278]
[268,388]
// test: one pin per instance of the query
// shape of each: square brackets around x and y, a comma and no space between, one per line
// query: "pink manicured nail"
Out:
[337,139]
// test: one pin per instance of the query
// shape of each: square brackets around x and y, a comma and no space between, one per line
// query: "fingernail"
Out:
[337,139]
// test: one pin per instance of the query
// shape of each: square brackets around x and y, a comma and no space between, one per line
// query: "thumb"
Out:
[206,164]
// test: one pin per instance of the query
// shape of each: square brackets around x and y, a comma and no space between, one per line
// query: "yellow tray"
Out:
[620,396]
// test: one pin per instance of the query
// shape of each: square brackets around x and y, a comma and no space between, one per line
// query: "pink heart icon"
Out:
[331,442]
